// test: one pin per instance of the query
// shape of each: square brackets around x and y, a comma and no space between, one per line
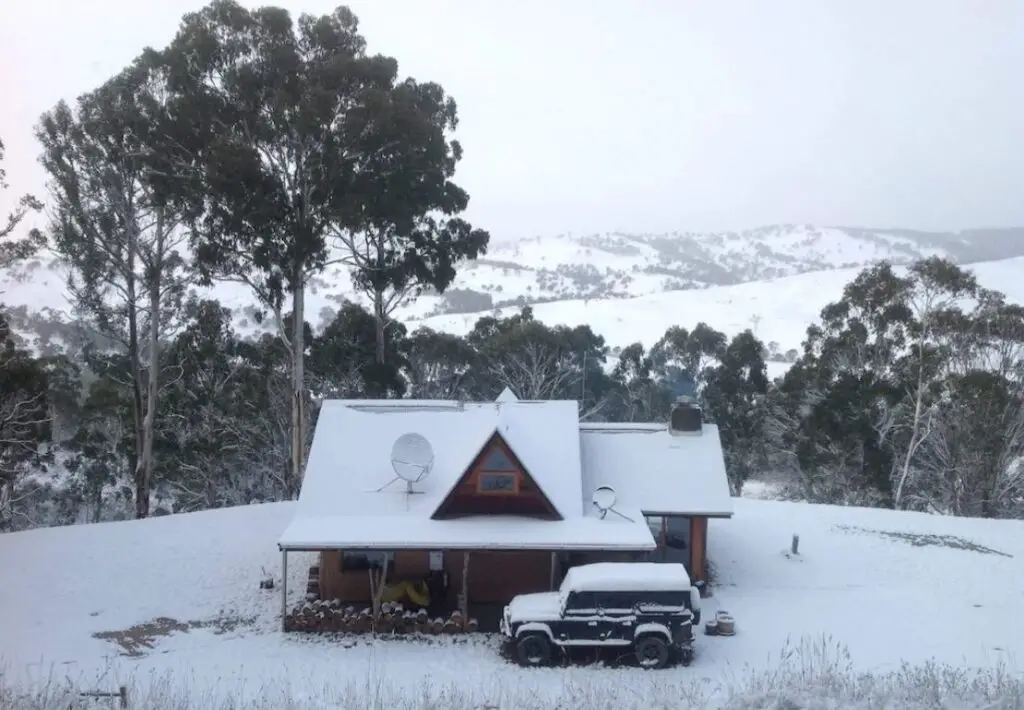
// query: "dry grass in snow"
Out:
[810,675]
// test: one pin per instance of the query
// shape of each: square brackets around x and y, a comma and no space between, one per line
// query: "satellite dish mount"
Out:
[604,499]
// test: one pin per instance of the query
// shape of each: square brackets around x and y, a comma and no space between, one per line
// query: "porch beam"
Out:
[698,548]
[284,589]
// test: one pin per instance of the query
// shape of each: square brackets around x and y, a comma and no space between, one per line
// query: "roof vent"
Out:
[686,418]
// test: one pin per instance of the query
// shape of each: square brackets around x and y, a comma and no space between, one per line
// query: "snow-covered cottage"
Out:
[523,488]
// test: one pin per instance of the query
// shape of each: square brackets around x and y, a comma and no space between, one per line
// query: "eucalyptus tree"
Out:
[24,420]
[112,160]
[299,129]
[399,232]
[537,361]
[12,250]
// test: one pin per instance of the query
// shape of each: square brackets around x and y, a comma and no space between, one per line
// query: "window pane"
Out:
[496,460]
[496,482]
[363,559]
[582,600]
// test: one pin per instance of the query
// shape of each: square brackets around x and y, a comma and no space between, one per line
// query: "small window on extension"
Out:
[361,560]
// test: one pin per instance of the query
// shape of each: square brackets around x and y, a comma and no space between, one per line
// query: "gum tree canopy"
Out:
[302,135]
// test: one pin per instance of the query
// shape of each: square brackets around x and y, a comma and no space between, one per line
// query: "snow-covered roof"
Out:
[393,532]
[626,577]
[655,472]
[350,496]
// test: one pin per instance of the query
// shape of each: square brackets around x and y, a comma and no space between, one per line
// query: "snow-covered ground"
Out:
[893,587]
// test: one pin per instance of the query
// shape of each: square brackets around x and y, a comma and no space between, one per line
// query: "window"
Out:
[353,560]
[497,482]
[673,536]
[497,460]
[497,473]
[581,601]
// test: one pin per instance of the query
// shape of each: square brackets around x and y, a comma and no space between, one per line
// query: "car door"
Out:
[580,624]
[618,617]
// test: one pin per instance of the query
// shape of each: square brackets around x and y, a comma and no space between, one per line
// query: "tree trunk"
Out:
[298,381]
[146,462]
[916,436]
[136,456]
[379,317]
[380,323]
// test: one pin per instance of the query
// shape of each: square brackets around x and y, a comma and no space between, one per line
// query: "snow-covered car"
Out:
[649,607]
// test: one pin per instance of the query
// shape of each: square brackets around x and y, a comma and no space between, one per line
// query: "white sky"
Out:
[650,115]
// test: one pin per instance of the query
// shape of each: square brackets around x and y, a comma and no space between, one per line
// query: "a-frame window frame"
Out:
[544,509]
[515,470]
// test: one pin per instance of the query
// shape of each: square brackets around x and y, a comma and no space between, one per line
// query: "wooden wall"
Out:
[699,549]
[495,576]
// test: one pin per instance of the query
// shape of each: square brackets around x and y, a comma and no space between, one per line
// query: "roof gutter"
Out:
[677,514]
[509,547]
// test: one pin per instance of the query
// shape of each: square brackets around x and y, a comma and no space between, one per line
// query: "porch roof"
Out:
[392,532]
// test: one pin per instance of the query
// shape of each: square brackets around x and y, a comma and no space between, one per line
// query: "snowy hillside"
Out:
[628,287]
[177,599]
[777,310]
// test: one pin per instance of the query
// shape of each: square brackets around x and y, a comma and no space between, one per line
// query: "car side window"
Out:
[580,601]
[664,599]
[616,601]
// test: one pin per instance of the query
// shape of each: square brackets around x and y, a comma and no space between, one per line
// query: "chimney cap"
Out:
[686,418]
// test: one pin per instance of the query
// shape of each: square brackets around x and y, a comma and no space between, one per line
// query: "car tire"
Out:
[686,656]
[652,652]
[533,649]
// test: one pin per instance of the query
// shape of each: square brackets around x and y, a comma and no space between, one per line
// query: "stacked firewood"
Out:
[332,616]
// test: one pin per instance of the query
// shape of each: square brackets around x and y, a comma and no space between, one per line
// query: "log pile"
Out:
[333,617]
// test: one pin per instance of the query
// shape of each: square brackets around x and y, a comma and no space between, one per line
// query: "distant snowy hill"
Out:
[777,310]
[628,287]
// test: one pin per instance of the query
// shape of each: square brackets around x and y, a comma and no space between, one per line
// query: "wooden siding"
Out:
[495,576]
[698,548]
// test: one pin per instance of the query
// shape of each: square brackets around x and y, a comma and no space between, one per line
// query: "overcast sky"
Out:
[650,115]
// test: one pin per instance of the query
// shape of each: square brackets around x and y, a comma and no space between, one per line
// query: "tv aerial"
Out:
[412,458]
[604,499]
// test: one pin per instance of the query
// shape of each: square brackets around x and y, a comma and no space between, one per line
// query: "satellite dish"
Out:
[604,498]
[412,458]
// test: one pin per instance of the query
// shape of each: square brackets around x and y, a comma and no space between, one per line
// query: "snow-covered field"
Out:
[182,593]
[778,310]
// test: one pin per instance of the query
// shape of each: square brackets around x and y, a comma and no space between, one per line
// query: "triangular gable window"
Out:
[497,460]
[496,483]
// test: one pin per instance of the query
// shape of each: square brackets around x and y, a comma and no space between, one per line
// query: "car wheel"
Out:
[651,652]
[686,656]
[533,650]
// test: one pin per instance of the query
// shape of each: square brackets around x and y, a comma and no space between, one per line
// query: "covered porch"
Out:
[684,539]
[489,559]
